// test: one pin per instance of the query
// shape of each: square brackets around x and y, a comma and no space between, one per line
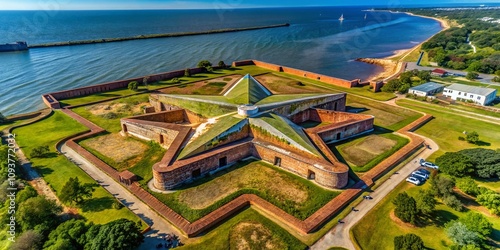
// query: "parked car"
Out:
[423,175]
[413,180]
[429,165]
[419,178]
[425,171]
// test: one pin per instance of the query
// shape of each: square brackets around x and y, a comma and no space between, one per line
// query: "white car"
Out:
[420,174]
[429,165]
[413,180]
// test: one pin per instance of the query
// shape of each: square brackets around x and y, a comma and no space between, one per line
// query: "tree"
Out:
[442,185]
[2,118]
[70,234]
[453,202]
[145,80]
[25,194]
[491,200]
[209,69]
[187,72]
[426,202]
[408,241]
[461,235]
[472,137]
[424,75]
[204,64]
[29,240]
[391,86]
[222,64]
[406,208]
[74,191]
[486,161]
[133,85]
[39,214]
[455,164]
[472,75]
[39,151]
[468,186]
[476,222]
[119,234]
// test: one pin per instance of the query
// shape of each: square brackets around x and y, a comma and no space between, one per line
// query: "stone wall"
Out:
[346,131]
[172,116]
[183,170]
[162,136]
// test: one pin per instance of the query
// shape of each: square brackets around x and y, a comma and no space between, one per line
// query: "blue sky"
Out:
[202,4]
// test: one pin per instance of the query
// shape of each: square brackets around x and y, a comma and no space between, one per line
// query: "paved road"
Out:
[483,78]
[339,235]
[159,226]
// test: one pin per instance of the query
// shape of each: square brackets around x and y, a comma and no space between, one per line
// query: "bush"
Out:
[468,186]
[209,69]
[204,64]
[453,202]
[39,152]
[461,138]
[472,75]
[117,205]
[472,137]
[175,80]
[408,241]
[133,85]
[406,208]
[222,64]
[455,164]
[110,115]
[491,200]
[187,73]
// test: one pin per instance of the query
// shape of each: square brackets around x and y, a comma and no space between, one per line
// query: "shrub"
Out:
[461,138]
[461,235]
[472,137]
[117,205]
[472,75]
[491,200]
[110,115]
[406,208]
[408,241]
[187,73]
[455,164]
[209,69]
[39,152]
[453,202]
[222,64]
[204,64]
[133,85]
[468,186]
[175,80]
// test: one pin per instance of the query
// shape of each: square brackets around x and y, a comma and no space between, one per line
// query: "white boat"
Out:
[341,17]
[365,16]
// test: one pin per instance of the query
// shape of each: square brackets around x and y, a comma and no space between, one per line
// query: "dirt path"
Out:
[339,235]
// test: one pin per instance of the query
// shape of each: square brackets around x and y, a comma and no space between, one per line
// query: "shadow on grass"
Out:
[483,143]
[107,95]
[50,155]
[97,204]
[438,218]
[42,170]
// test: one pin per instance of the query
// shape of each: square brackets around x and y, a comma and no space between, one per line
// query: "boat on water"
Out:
[365,16]
[341,17]
[17,46]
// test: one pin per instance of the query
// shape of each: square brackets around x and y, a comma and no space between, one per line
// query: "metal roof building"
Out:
[429,88]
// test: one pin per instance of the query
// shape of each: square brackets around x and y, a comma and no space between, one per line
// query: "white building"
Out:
[461,92]
[426,89]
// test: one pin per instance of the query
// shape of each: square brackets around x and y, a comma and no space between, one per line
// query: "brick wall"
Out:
[347,130]
[163,136]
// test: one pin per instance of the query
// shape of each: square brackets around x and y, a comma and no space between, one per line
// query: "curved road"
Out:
[159,226]
[339,235]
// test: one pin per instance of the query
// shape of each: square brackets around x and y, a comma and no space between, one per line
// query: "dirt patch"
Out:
[253,235]
[362,152]
[282,85]
[115,146]
[106,108]
[213,86]
[399,222]
[252,176]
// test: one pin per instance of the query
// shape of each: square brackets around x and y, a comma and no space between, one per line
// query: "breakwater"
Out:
[152,36]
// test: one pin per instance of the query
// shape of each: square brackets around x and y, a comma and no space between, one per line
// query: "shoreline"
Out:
[388,63]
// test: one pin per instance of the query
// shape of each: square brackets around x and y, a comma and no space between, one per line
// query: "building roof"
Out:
[427,87]
[439,71]
[127,175]
[471,89]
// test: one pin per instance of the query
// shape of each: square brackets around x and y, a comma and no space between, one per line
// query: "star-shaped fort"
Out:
[203,134]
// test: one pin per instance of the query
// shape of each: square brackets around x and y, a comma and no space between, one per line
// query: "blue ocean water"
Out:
[316,41]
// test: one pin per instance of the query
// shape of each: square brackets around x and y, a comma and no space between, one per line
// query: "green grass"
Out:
[112,124]
[101,96]
[447,126]
[56,170]
[211,137]
[220,237]
[243,176]
[10,124]
[400,142]
[282,98]
[296,134]
[202,108]
[386,116]
[377,230]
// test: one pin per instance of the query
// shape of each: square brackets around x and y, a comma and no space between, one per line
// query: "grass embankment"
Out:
[365,152]
[447,126]
[284,85]
[107,115]
[386,116]
[247,230]
[57,169]
[377,229]
[126,153]
[297,196]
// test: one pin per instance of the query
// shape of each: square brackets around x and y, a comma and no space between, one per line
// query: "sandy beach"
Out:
[392,63]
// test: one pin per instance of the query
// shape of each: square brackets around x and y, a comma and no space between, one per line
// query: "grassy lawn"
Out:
[386,116]
[102,96]
[365,152]
[281,98]
[293,194]
[56,170]
[107,115]
[446,127]
[124,153]
[283,85]
[204,109]
[460,107]
[247,230]
[377,229]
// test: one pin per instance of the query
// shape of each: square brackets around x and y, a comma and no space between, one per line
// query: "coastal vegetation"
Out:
[451,48]
[406,80]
